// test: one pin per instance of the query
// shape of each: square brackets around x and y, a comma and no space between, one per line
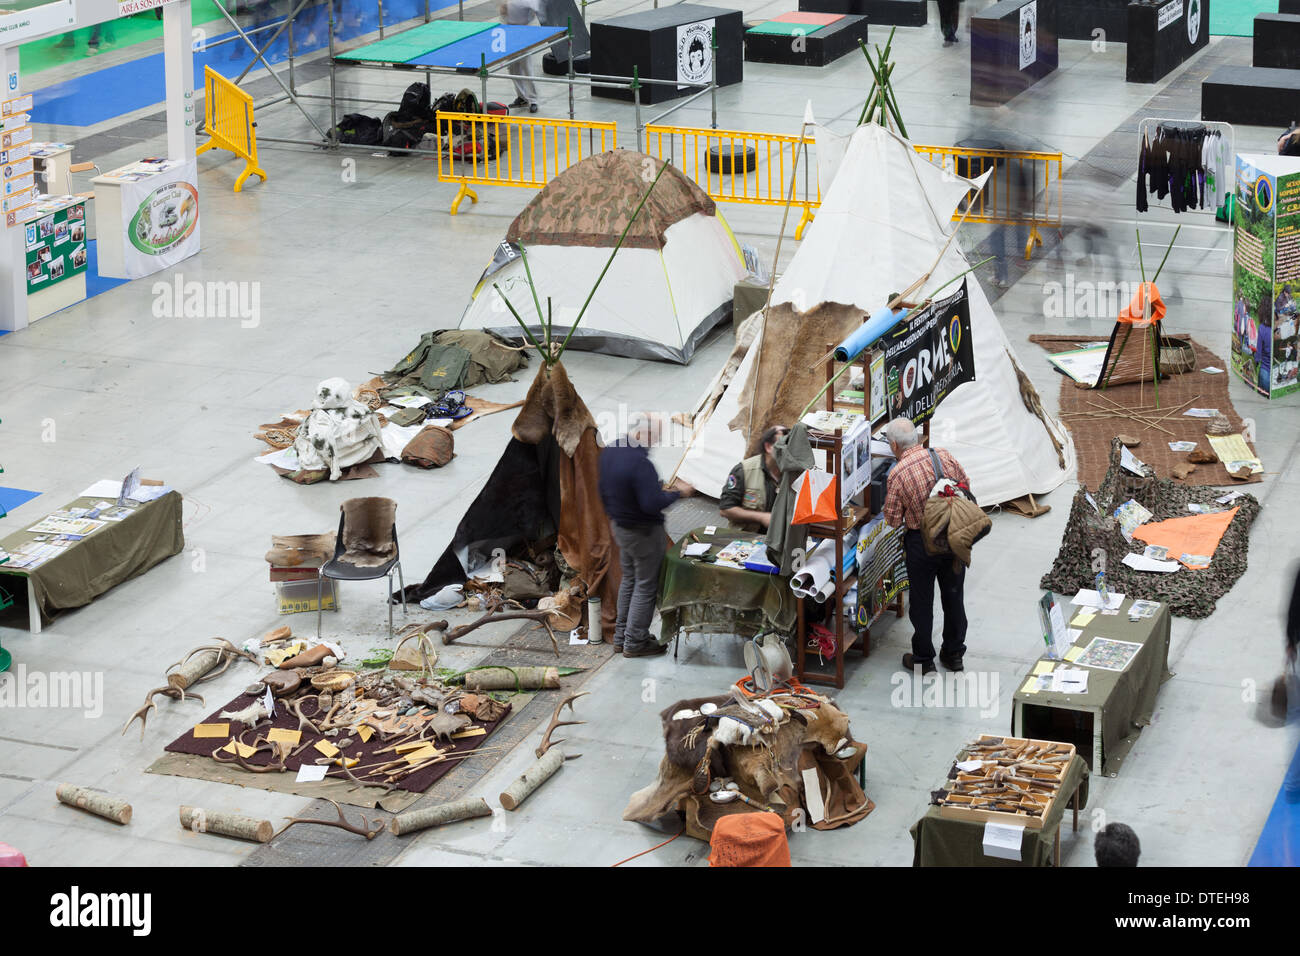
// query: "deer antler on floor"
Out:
[175,693]
[547,743]
[364,830]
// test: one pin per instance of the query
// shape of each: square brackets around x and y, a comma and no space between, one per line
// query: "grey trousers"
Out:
[641,552]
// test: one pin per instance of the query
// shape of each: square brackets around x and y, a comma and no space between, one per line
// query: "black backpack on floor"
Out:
[359,129]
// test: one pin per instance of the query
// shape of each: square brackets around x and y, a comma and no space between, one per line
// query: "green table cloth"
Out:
[943,841]
[1121,702]
[102,560]
[417,41]
[697,596]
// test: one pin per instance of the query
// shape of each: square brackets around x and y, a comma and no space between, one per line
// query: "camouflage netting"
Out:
[590,203]
[1188,593]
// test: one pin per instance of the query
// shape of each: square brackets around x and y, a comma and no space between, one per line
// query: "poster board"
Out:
[927,355]
[55,238]
[1266,273]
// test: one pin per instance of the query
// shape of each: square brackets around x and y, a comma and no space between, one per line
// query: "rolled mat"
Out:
[881,321]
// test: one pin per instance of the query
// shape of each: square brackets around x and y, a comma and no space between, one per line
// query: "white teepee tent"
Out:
[882,223]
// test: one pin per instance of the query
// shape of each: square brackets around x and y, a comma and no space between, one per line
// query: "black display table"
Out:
[901,13]
[1277,40]
[816,48]
[671,43]
[1078,19]
[1012,47]
[1253,95]
[1162,37]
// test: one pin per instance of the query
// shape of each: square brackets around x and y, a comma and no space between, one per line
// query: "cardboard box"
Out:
[971,808]
[294,597]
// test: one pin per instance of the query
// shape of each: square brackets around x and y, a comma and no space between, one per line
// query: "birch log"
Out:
[101,804]
[467,809]
[525,678]
[533,777]
[226,824]
[193,669]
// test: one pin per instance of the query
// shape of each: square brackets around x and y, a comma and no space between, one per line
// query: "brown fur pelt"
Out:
[767,772]
[368,531]
[553,407]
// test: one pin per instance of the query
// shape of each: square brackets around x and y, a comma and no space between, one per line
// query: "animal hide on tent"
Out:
[769,769]
[545,484]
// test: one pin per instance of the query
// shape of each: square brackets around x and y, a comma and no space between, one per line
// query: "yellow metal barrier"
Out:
[513,150]
[726,180]
[228,120]
[1002,202]
[1020,191]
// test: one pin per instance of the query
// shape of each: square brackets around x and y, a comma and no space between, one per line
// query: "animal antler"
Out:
[547,742]
[143,713]
[364,830]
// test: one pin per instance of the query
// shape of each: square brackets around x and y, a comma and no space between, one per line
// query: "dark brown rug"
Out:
[1092,436]
[370,752]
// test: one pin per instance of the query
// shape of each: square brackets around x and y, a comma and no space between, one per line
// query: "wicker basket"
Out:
[1176,356]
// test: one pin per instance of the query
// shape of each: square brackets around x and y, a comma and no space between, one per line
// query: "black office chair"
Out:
[378,512]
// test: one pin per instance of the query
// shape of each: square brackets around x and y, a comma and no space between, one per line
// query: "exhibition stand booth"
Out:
[147,212]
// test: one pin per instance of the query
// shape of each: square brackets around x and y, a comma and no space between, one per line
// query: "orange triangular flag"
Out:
[815,495]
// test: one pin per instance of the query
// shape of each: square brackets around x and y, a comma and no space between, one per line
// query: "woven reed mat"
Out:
[1092,435]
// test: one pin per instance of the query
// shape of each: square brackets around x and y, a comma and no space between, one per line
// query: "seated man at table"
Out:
[635,502]
[750,489]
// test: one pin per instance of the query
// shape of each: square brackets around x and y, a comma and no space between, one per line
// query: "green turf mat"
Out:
[777,28]
[1236,18]
[417,41]
[115,34]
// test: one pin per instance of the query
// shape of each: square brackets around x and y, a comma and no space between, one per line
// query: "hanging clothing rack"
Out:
[1205,175]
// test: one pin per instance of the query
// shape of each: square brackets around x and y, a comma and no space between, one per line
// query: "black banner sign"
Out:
[927,355]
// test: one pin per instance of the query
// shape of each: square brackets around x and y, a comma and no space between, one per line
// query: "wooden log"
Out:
[525,678]
[226,824]
[194,668]
[467,809]
[533,777]
[92,801]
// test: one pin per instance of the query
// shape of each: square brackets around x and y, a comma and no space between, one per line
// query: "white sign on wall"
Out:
[16,25]
[695,52]
[1193,20]
[127,7]
[1169,13]
[1029,34]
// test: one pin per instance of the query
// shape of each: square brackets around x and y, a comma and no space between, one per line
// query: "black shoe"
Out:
[952,663]
[910,663]
[518,102]
[948,41]
[645,650]
[532,107]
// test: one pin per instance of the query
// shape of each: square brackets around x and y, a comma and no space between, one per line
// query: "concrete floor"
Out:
[351,273]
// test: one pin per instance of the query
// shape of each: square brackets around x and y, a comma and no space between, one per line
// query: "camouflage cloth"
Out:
[491,359]
[1188,593]
[590,204]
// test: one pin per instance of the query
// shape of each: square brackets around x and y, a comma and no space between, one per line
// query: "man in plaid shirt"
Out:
[910,481]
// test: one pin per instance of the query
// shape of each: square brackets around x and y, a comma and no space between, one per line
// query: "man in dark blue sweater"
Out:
[635,500]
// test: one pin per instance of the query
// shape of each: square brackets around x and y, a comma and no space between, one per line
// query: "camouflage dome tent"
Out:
[670,285]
